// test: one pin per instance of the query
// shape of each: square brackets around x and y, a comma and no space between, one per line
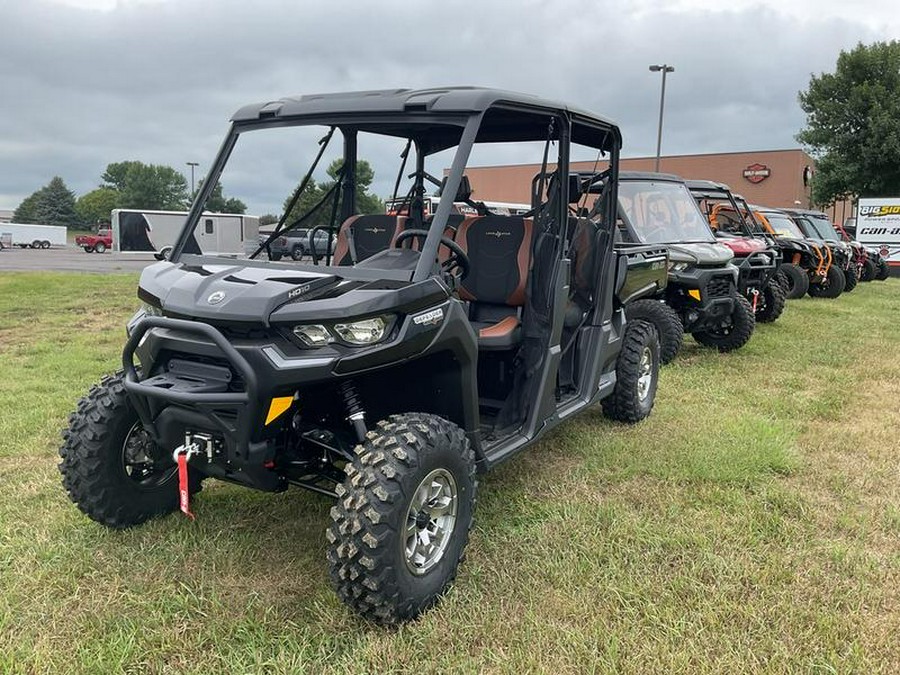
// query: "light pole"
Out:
[192,165]
[665,68]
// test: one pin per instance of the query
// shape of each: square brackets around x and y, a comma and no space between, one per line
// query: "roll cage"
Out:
[430,121]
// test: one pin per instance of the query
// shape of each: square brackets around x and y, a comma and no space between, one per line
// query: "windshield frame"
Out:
[369,122]
[825,228]
[798,234]
[636,235]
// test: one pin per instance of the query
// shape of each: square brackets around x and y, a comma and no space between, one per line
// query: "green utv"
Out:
[702,295]
[422,352]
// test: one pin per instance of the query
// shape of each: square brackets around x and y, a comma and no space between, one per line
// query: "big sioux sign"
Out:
[757,173]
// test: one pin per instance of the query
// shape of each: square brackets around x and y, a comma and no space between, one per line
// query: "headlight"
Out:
[365,332]
[678,266]
[151,310]
[313,335]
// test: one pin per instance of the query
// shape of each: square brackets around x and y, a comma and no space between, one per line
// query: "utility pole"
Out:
[664,68]
[192,165]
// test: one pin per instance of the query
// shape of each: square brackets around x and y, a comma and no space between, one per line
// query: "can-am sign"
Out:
[757,173]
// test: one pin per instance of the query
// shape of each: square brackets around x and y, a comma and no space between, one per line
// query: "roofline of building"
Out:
[653,157]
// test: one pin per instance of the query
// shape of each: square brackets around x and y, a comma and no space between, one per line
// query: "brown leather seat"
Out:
[499,251]
[370,234]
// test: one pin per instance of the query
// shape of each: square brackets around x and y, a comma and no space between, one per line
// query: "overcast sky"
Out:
[88,82]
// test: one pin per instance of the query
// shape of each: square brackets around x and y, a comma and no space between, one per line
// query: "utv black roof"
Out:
[650,175]
[709,185]
[446,102]
[595,187]
[806,212]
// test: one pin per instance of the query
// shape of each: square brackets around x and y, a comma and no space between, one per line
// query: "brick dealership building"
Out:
[778,178]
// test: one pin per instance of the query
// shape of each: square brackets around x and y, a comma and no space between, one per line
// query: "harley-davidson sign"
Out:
[757,173]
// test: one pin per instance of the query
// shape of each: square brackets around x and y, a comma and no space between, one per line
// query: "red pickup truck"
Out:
[95,243]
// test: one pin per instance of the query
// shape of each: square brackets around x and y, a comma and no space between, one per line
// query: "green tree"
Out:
[56,205]
[26,212]
[267,219]
[95,206]
[147,186]
[853,124]
[53,204]
[366,202]
[218,203]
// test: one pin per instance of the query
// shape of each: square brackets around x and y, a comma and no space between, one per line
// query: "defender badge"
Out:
[430,318]
[216,298]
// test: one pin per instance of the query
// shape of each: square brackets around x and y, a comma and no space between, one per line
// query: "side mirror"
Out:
[463,193]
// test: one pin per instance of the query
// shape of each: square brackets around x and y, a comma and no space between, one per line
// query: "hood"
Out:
[700,253]
[744,246]
[231,292]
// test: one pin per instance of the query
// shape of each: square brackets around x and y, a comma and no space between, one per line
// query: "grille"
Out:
[719,287]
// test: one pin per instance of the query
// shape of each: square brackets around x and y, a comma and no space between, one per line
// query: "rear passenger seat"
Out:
[371,234]
[499,251]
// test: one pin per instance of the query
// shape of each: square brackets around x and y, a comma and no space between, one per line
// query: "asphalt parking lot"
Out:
[72,260]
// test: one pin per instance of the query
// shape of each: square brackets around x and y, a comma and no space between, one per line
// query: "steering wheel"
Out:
[457,260]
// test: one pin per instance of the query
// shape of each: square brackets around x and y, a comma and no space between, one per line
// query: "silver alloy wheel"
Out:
[430,521]
[645,379]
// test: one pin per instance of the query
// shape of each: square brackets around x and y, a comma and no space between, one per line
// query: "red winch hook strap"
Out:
[184,493]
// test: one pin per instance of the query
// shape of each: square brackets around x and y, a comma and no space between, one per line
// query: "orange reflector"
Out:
[694,293]
[278,406]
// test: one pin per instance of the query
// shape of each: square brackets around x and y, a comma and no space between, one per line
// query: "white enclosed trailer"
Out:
[878,226]
[216,233]
[26,235]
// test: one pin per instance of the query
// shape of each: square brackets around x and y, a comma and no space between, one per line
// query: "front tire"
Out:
[869,271]
[884,271]
[736,333]
[88,249]
[637,374]
[832,287]
[110,468]
[665,320]
[770,303]
[402,519]
[851,278]
[797,280]
[297,252]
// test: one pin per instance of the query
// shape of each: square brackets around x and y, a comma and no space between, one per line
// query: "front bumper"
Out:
[716,288]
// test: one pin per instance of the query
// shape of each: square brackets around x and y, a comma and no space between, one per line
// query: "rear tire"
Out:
[99,247]
[797,281]
[45,244]
[402,519]
[869,271]
[770,303]
[736,334]
[35,244]
[637,374]
[832,287]
[851,278]
[884,271]
[103,440]
[297,252]
[668,325]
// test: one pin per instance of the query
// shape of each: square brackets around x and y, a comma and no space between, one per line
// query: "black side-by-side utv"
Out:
[818,228]
[422,351]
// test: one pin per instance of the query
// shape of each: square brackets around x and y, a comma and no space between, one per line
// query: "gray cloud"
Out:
[157,82]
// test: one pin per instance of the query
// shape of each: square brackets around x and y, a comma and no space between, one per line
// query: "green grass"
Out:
[751,524]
